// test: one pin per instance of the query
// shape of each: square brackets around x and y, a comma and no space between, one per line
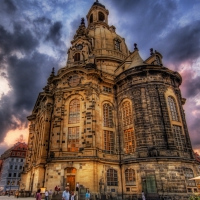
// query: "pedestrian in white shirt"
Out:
[66,195]
[46,195]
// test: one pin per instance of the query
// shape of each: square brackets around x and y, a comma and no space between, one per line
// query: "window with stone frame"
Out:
[91,18]
[107,115]
[108,141]
[129,140]
[74,80]
[117,45]
[112,178]
[130,177]
[188,175]
[101,17]
[172,107]
[74,111]
[77,57]
[178,137]
[73,139]
[127,113]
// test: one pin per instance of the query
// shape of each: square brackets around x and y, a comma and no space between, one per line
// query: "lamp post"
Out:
[9,188]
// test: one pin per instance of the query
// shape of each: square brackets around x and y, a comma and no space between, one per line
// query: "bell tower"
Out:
[97,14]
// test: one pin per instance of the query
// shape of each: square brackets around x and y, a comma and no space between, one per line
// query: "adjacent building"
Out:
[111,121]
[12,167]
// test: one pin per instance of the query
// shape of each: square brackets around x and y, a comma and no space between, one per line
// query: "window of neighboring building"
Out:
[74,111]
[73,139]
[14,175]
[173,110]
[9,175]
[112,178]
[11,166]
[13,153]
[19,174]
[22,160]
[107,116]
[8,182]
[77,57]
[126,113]
[178,137]
[17,160]
[15,166]
[129,140]
[130,177]
[117,45]
[91,18]
[13,182]
[20,167]
[101,17]
[109,141]
[18,153]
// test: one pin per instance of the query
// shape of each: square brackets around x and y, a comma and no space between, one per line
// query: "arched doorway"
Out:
[70,175]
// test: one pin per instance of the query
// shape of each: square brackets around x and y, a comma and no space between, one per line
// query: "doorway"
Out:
[71,181]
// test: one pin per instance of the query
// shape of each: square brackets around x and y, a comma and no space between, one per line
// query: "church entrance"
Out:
[70,175]
[71,182]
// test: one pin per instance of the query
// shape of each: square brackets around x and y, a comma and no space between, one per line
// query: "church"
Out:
[110,121]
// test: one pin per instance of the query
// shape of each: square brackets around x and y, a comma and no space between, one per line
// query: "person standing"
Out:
[77,186]
[50,194]
[46,195]
[38,195]
[87,195]
[143,196]
[66,195]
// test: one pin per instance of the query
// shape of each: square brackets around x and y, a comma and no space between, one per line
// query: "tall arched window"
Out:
[91,18]
[109,141]
[178,137]
[73,139]
[130,177]
[117,45]
[129,140]
[112,178]
[126,113]
[172,107]
[107,116]
[77,57]
[101,16]
[74,111]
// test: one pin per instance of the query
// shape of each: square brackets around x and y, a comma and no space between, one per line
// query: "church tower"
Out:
[110,121]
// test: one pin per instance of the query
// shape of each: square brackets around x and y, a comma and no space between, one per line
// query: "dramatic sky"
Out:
[35,35]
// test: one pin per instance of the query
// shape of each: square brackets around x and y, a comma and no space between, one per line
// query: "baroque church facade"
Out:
[110,121]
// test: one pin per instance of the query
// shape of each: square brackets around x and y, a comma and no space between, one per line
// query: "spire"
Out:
[135,46]
[151,51]
[82,21]
[52,72]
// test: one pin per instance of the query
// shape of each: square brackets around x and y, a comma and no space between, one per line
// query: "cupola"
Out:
[97,14]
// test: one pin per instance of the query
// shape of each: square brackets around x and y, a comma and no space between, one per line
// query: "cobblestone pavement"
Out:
[13,198]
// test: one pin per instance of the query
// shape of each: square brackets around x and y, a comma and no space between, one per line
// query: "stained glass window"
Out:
[172,106]
[112,178]
[109,141]
[74,111]
[129,140]
[73,139]
[130,177]
[126,113]
[107,116]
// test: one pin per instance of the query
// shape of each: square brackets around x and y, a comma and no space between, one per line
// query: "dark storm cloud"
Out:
[182,43]
[43,20]
[10,6]
[54,34]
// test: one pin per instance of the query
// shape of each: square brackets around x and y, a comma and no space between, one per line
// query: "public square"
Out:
[12,198]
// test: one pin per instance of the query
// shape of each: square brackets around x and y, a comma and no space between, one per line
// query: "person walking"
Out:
[38,195]
[50,194]
[87,195]
[66,195]
[143,196]
[46,194]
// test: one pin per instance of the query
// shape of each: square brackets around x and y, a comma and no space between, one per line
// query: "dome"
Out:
[106,43]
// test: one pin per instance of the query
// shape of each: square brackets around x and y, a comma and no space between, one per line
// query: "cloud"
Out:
[10,6]
[54,34]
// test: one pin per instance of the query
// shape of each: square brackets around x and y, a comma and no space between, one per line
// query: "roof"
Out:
[98,4]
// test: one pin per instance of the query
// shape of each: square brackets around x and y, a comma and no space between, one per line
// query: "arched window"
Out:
[91,18]
[112,179]
[101,16]
[173,110]
[74,111]
[188,175]
[117,45]
[73,139]
[107,116]
[126,113]
[130,177]
[178,137]
[77,57]
[109,141]
[129,140]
